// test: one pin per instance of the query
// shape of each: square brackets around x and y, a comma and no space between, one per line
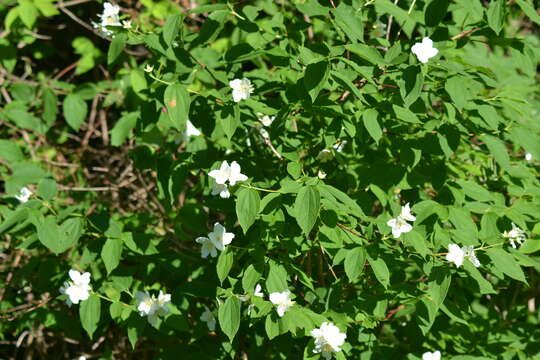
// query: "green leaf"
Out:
[90,312]
[380,270]
[121,129]
[475,191]
[498,151]
[28,13]
[250,278]
[117,46]
[458,93]
[47,189]
[349,20]
[247,207]
[271,327]
[371,124]
[506,263]
[75,111]
[229,316]
[177,102]
[306,207]
[10,152]
[435,12]
[16,217]
[438,287]
[405,114]
[111,253]
[55,238]
[50,107]
[354,263]
[495,15]
[224,264]
[529,10]
[490,116]
[172,28]
[277,278]
[229,119]
[367,53]
[410,87]
[315,78]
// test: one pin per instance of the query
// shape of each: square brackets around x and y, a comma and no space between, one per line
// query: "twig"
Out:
[269,144]
[464,33]
[79,21]
[78,188]
[71,3]
[390,21]
[351,231]
[63,72]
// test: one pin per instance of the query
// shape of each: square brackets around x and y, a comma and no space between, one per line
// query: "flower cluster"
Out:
[226,173]
[458,254]
[78,289]
[151,306]
[328,339]
[218,239]
[516,235]
[399,224]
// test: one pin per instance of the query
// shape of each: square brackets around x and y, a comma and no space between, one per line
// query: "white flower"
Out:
[209,318]
[126,24]
[228,173]
[328,339]
[528,156]
[109,17]
[265,119]
[218,239]
[24,195]
[191,130]
[325,155]
[264,133]
[400,225]
[242,88]
[406,213]
[457,255]
[516,235]
[424,50]
[321,175]
[436,355]
[78,289]
[151,306]
[339,145]
[220,189]
[207,248]
[469,253]
[258,291]
[282,300]
[148,68]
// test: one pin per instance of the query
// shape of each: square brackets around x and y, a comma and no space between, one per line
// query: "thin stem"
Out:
[110,300]
[260,189]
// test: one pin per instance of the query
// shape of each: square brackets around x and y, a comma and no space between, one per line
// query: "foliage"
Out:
[115,132]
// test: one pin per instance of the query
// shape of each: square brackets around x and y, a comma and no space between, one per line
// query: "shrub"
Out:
[270,179]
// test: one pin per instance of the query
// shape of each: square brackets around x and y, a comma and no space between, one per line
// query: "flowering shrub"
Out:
[366,172]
